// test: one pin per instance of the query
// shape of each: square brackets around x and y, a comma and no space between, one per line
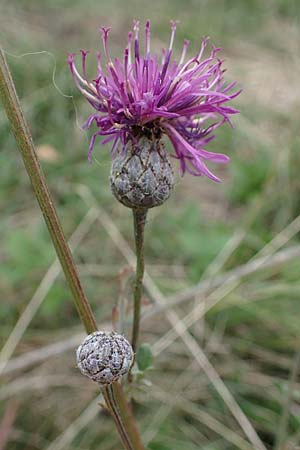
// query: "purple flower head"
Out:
[144,94]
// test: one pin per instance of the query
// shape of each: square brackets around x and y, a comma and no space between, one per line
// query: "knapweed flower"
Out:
[147,96]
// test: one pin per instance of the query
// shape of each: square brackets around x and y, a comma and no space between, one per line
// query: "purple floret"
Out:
[186,101]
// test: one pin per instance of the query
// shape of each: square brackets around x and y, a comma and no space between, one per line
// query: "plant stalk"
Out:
[139,220]
[114,394]
[24,140]
[122,416]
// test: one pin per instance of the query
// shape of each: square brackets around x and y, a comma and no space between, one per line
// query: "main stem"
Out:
[139,220]
[24,140]
[121,412]
[122,415]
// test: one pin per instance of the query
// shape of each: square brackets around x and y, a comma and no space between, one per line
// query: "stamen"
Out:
[215,50]
[71,57]
[163,56]
[185,46]
[136,40]
[91,146]
[173,28]
[203,45]
[77,77]
[84,54]
[126,57]
[136,28]
[105,31]
[147,33]
[109,110]
[99,56]
[129,46]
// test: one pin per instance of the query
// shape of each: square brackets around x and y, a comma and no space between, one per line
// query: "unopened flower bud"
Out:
[104,357]
[141,175]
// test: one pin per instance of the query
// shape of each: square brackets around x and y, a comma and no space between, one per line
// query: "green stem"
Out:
[8,95]
[24,140]
[122,416]
[139,219]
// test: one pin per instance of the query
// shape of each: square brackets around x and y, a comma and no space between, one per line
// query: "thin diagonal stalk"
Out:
[24,140]
[121,412]
[41,292]
[65,439]
[139,219]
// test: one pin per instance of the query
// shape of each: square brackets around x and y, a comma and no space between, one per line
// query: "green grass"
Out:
[252,335]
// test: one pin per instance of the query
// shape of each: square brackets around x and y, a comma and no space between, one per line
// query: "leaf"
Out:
[144,357]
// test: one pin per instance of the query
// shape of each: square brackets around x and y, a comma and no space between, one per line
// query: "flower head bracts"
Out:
[104,357]
[144,94]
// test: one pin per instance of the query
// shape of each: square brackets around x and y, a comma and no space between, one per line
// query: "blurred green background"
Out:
[251,329]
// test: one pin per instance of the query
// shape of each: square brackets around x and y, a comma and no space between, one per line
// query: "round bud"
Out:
[104,357]
[141,175]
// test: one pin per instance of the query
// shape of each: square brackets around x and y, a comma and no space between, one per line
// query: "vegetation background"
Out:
[239,240]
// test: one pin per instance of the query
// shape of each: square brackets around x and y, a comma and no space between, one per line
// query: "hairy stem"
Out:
[139,219]
[24,140]
[122,416]
[114,396]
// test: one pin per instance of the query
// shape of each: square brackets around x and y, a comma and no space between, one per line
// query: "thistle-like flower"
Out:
[146,97]
[104,357]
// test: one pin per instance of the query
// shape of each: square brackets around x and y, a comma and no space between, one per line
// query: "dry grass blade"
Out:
[152,429]
[214,268]
[175,321]
[219,294]
[41,292]
[281,238]
[39,382]
[235,275]
[203,417]
[41,354]
[65,439]
[199,311]
[180,327]
[231,245]
[7,423]
[226,284]
[117,237]
[288,397]
[215,379]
